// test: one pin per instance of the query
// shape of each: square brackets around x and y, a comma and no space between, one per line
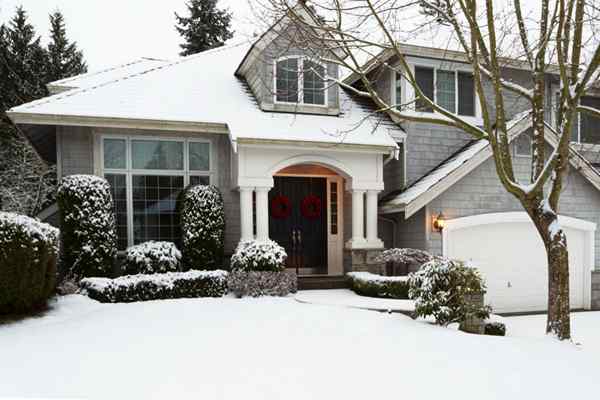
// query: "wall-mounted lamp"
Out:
[439,222]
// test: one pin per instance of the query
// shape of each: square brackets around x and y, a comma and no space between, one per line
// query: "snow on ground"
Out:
[274,348]
[347,298]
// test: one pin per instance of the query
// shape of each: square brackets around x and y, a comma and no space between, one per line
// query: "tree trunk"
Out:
[558,322]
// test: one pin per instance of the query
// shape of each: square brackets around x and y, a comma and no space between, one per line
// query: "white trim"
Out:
[301,59]
[587,227]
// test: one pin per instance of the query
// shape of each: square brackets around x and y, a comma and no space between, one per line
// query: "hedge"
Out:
[28,254]
[202,219]
[87,224]
[262,283]
[258,255]
[151,258]
[372,285]
[170,285]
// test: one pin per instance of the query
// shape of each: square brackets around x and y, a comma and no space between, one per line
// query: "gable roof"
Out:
[443,177]
[201,93]
[96,78]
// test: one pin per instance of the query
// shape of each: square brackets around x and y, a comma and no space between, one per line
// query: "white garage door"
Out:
[509,253]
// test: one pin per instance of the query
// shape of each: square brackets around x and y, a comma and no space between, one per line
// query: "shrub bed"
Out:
[372,285]
[446,289]
[202,217]
[151,258]
[87,225]
[170,285]
[28,254]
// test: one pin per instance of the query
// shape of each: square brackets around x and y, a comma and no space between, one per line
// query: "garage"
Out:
[506,248]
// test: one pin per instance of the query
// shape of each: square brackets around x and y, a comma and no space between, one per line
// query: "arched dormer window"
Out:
[300,80]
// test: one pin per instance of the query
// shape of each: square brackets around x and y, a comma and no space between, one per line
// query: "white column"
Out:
[246,213]
[262,213]
[372,212]
[358,206]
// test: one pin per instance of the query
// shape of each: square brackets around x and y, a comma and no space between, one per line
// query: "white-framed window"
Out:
[586,128]
[146,175]
[300,80]
[452,89]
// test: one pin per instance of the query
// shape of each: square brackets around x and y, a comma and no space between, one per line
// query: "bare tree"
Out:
[556,40]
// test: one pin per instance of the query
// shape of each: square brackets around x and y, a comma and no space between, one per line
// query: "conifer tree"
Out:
[64,59]
[205,28]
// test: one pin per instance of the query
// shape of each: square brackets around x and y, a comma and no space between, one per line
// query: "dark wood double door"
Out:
[302,234]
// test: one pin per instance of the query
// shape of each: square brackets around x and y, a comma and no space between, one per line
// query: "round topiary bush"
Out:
[445,289]
[87,224]
[151,258]
[202,219]
[255,255]
[28,254]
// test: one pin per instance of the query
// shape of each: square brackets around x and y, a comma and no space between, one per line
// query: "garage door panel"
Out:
[512,259]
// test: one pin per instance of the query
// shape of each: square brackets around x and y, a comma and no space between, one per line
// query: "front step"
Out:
[322,282]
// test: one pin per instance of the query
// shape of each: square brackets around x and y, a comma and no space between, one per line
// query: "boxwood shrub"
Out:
[202,219]
[151,258]
[170,285]
[495,328]
[372,285]
[258,255]
[87,224]
[28,254]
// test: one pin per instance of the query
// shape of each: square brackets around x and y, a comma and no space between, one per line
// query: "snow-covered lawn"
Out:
[273,348]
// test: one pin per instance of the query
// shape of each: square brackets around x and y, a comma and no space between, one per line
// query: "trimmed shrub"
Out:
[255,255]
[495,328]
[262,283]
[202,219]
[87,225]
[372,285]
[443,289]
[151,258]
[28,254]
[170,285]
[401,261]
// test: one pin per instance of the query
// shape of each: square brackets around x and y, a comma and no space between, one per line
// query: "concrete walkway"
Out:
[347,298]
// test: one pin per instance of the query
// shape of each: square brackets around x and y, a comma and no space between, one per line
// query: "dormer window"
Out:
[300,80]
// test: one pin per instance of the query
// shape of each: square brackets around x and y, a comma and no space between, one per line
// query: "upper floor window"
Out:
[451,90]
[300,80]
[586,128]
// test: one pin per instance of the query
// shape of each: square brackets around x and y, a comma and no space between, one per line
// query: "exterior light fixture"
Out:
[439,222]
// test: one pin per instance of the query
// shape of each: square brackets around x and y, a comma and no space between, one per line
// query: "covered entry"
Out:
[507,250]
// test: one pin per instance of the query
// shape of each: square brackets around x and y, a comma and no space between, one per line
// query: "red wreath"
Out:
[280,207]
[311,207]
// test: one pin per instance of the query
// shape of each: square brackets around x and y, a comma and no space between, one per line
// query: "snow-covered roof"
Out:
[96,78]
[434,183]
[203,88]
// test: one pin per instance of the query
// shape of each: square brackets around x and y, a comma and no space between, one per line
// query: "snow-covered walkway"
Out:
[278,348]
[347,298]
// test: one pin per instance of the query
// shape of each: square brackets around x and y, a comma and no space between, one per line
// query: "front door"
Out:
[297,221]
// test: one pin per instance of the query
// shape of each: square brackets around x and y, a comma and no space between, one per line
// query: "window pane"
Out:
[314,83]
[424,77]
[199,180]
[118,191]
[398,91]
[199,156]
[523,145]
[287,80]
[590,131]
[114,153]
[446,90]
[154,154]
[154,208]
[466,94]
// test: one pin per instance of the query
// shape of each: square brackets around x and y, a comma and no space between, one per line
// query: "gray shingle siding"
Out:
[76,149]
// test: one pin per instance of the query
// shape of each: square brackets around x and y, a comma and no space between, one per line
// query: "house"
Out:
[308,164]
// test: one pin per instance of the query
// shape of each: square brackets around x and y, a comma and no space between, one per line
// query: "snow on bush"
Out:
[88,235]
[258,255]
[372,285]
[28,254]
[495,329]
[404,256]
[170,285]
[443,289]
[151,258]
[262,283]
[203,227]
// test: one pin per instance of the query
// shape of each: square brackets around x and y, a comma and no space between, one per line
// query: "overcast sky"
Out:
[111,32]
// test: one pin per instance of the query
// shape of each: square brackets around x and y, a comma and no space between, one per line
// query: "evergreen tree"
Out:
[64,59]
[206,27]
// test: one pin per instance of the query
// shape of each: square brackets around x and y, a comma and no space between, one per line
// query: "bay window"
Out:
[146,176]
[300,80]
